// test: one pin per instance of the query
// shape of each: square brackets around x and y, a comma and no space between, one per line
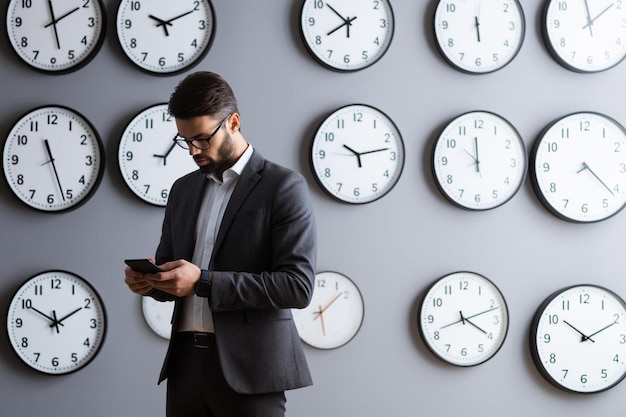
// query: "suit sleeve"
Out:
[267,259]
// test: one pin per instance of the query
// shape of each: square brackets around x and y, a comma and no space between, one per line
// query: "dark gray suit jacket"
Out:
[263,265]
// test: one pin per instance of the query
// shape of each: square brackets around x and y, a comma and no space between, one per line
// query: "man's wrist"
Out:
[203,286]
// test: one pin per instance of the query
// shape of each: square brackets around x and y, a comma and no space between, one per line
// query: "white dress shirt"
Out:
[196,314]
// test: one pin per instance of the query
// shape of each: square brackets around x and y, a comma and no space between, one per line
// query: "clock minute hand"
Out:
[337,13]
[375,150]
[54,168]
[169,22]
[599,14]
[322,310]
[166,154]
[477,25]
[68,315]
[602,329]
[586,167]
[54,24]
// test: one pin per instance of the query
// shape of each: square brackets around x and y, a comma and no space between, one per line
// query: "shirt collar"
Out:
[235,171]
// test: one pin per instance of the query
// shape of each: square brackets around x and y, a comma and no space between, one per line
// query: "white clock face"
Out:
[464,319]
[334,315]
[357,154]
[479,36]
[163,36]
[148,157]
[56,322]
[56,36]
[479,161]
[158,315]
[578,336]
[53,159]
[347,35]
[580,167]
[585,35]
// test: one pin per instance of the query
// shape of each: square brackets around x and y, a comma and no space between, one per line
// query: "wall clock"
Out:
[158,315]
[479,161]
[479,36]
[335,313]
[578,167]
[53,159]
[149,159]
[56,322]
[463,319]
[585,36]
[165,37]
[347,35]
[357,154]
[577,339]
[55,36]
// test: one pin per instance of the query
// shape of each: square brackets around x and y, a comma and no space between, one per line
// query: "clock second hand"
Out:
[469,317]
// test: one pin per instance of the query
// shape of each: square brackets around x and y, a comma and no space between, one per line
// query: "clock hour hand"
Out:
[347,21]
[54,21]
[52,320]
[161,22]
[465,319]
[583,337]
[589,21]
[54,168]
[166,154]
[357,154]
[586,167]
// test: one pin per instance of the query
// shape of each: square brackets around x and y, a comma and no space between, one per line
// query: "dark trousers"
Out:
[196,386]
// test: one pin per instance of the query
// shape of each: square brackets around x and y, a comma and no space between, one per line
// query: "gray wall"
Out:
[393,248]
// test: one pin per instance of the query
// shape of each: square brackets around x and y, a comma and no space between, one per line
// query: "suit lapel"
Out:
[249,177]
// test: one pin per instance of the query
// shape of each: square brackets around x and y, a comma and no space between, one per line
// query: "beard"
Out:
[224,153]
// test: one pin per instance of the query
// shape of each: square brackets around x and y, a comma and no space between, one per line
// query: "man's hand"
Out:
[178,278]
[137,281]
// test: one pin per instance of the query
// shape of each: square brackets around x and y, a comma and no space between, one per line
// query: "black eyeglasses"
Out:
[199,143]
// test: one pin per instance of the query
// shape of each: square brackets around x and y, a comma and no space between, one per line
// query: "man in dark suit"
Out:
[238,249]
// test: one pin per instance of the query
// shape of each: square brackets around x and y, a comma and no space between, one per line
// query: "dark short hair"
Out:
[202,93]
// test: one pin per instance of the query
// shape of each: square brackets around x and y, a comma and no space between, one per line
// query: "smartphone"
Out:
[145,266]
